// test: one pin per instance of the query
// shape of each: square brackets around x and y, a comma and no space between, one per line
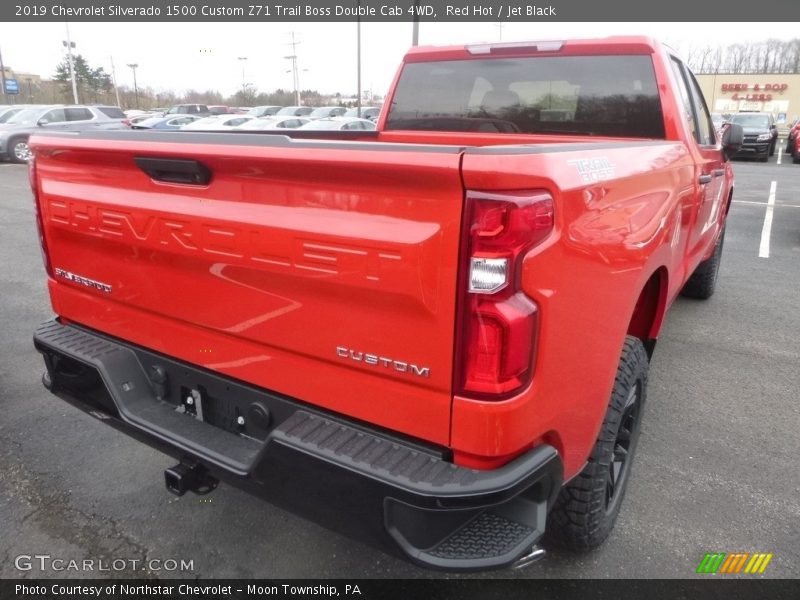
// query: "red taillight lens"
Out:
[38,213]
[498,323]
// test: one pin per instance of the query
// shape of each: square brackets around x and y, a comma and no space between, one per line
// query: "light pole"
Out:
[242,60]
[296,75]
[69,46]
[114,80]
[358,60]
[415,26]
[3,78]
[133,67]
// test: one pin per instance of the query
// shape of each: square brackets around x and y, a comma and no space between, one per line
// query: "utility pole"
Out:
[3,79]
[295,74]
[70,45]
[358,57]
[242,59]
[134,66]
[114,80]
[415,26]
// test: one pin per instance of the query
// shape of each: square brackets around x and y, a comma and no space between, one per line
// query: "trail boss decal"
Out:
[594,169]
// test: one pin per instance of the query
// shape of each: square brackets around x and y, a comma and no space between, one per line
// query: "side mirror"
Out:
[732,138]
[42,122]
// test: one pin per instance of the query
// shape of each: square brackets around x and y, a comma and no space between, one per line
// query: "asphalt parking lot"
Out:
[716,469]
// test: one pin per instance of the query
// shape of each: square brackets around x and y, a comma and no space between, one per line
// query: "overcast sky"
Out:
[179,56]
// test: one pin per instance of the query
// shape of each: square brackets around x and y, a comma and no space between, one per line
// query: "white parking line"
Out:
[765,204]
[766,230]
[780,154]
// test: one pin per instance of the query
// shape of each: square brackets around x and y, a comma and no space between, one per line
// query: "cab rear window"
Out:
[582,95]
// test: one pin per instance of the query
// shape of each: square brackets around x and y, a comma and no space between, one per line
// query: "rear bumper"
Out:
[400,494]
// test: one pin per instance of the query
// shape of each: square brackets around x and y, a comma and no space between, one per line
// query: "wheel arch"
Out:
[648,312]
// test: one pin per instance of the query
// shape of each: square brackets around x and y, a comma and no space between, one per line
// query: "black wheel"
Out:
[587,507]
[764,158]
[703,281]
[18,150]
[772,147]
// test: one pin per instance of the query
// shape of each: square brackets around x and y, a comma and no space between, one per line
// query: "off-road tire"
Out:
[584,515]
[703,282]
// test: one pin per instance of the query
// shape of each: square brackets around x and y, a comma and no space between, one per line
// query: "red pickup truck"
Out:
[435,336]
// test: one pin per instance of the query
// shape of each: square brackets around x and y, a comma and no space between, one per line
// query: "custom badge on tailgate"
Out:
[381,361]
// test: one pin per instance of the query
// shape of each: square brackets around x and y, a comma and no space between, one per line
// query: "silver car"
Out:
[14,133]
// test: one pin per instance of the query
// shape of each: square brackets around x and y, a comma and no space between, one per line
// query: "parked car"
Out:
[188,109]
[135,112]
[218,109]
[294,111]
[133,120]
[760,134]
[792,136]
[719,120]
[14,133]
[218,122]
[263,111]
[793,142]
[173,122]
[6,112]
[367,112]
[273,123]
[324,112]
[341,124]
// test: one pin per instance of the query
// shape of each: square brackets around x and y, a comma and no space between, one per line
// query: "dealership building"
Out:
[777,93]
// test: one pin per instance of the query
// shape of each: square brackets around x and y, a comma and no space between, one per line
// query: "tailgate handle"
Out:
[175,170]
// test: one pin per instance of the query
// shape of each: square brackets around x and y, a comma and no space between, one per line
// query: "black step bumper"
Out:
[370,484]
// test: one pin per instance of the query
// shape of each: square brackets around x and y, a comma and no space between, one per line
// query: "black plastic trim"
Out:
[405,496]
[261,139]
[545,148]
[174,170]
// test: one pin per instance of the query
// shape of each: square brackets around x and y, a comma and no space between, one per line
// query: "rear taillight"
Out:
[38,212]
[498,323]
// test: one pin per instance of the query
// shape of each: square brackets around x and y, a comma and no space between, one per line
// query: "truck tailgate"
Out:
[322,270]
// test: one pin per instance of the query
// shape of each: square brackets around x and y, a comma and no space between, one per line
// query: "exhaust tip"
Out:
[533,555]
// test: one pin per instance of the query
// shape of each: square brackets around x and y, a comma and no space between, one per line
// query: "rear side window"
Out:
[78,114]
[581,95]
[112,112]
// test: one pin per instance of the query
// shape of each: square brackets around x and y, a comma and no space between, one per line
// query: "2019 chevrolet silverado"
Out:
[433,337]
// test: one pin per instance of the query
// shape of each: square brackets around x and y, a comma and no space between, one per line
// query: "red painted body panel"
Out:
[264,273]
[291,253]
